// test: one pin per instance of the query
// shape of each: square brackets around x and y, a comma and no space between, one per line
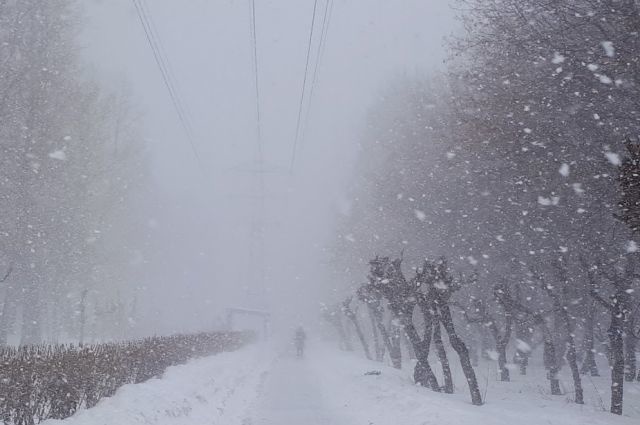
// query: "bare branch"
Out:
[594,294]
[7,274]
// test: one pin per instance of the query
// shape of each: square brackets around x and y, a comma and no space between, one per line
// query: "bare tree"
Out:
[353,317]
[620,309]
[561,305]
[388,277]
[437,286]
[372,297]
[549,352]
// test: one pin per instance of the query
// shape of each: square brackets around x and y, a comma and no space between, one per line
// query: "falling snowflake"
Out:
[609,50]
[564,170]
[557,58]
[59,155]
[631,246]
[554,200]
[523,346]
[440,285]
[420,215]
[603,78]
[613,158]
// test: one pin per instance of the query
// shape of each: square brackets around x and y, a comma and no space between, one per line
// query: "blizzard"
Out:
[319,212]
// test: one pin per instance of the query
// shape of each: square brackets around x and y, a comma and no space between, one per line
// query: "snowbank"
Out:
[211,390]
[391,399]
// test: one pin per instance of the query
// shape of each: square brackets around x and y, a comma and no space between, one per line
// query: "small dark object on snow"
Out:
[299,339]
[373,372]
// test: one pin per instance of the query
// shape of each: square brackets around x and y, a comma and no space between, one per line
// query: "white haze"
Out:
[196,260]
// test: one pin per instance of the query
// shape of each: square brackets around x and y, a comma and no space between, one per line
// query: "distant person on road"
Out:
[299,339]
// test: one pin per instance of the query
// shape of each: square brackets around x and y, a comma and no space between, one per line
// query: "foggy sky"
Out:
[197,261]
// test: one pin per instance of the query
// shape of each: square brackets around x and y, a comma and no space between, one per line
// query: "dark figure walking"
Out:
[299,339]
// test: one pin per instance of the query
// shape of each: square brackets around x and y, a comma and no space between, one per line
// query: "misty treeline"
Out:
[39,382]
[70,160]
[516,174]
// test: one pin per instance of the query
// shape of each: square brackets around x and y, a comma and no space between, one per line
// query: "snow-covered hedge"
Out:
[54,381]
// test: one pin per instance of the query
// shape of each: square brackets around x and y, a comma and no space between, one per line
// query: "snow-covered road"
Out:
[292,394]
[260,386]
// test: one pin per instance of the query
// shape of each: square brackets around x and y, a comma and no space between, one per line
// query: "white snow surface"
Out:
[211,390]
[390,399]
[259,386]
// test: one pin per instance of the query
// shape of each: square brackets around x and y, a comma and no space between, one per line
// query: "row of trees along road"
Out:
[520,166]
[69,161]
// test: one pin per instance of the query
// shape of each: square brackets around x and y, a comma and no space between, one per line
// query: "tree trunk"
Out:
[396,344]
[575,372]
[472,350]
[617,353]
[630,354]
[522,354]
[463,353]
[551,363]
[589,364]
[392,349]
[485,342]
[501,347]
[442,355]
[363,340]
[571,354]
[572,357]
[377,345]
[523,362]
[423,374]
[432,328]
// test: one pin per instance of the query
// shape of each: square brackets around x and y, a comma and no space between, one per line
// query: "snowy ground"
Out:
[212,390]
[261,386]
[391,399]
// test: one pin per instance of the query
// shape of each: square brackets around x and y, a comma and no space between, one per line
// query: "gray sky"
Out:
[199,262]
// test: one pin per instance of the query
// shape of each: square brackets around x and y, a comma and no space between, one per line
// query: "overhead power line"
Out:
[163,65]
[167,64]
[326,20]
[256,73]
[304,87]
